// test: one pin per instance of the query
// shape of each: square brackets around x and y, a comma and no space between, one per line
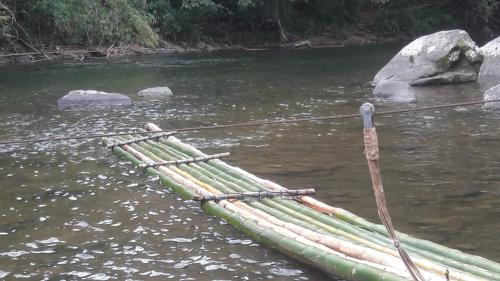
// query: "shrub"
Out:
[93,23]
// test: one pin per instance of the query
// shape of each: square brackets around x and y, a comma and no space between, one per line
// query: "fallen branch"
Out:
[27,54]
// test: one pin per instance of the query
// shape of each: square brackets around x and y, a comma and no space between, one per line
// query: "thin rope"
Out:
[246,124]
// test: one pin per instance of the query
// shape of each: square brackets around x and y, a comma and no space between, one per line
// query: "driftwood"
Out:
[28,54]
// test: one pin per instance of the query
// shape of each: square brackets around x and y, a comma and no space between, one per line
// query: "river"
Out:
[72,210]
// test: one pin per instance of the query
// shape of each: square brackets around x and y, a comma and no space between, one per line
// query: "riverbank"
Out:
[75,54]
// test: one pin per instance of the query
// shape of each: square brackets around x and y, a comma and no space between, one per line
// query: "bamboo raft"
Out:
[328,238]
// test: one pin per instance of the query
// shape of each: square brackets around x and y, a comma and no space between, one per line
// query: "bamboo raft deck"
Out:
[328,238]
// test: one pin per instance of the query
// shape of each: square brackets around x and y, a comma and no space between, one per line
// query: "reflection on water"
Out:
[72,210]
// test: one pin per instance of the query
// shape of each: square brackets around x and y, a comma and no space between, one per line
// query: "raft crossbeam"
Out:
[136,140]
[185,161]
[257,195]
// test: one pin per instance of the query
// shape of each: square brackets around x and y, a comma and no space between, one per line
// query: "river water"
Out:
[72,210]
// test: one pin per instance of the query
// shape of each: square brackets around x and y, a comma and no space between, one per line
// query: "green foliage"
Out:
[412,17]
[481,12]
[185,21]
[5,21]
[316,16]
[86,22]
[143,22]
[408,17]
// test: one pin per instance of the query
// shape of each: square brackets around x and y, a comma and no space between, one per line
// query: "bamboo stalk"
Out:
[467,279]
[142,156]
[360,222]
[249,187]
[329,263]
[261,218]
[242,186]
[183,192]
[426,264]
[459,265]
[449,256]
[141,138]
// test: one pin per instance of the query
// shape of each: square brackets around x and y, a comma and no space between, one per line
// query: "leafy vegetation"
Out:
[97,23]
[6,21]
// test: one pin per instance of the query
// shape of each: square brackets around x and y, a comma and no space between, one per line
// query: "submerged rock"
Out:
[156,92]
[489,74]
[492,94]
[440,58]
[395,91]
[91,98]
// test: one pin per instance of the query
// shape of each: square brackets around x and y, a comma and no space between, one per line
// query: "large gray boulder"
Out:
[156,92]
[92,98]
[489,74]
[492,94]
[439,58]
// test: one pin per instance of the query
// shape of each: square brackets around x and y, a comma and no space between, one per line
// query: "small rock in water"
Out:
[92,98]
[156,92]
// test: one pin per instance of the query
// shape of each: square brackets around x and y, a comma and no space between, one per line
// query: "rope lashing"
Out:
[372,156]
[246,124]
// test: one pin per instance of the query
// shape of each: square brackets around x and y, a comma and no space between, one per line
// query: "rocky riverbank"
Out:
[79,55]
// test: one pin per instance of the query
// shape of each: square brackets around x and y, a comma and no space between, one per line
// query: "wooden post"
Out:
[367,111]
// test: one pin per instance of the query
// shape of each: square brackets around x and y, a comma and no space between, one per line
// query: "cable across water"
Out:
[246,124]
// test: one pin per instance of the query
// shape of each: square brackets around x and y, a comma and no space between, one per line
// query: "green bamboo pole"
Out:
[235,184]
[450,255]
[255,187]
[172,155]
[143,149]
[164,159]
[224,184]
[458,264]
[186,194]
[429,246]
[231,184]
[329,263]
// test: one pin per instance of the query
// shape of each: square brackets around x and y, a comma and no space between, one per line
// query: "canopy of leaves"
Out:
[143,22]
[5,20]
